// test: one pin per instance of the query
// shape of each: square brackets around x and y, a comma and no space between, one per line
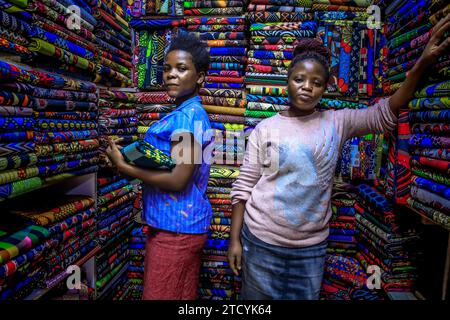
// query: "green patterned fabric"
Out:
[143,154]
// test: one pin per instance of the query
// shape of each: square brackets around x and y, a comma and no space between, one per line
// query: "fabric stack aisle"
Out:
[345,278]
[115,218]
[151,107]
[39,244]
[58,134]
[113,39]
[388,239]
[275,30]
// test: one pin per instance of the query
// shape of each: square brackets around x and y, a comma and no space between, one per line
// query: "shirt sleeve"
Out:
[250,171]
[375,119]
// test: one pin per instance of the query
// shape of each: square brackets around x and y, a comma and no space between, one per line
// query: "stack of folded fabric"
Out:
[151,107]
[13,36]
[113,39]
[404,48]
[387,239]
[62,38]
[21,252]
[117,117]
[135,271]
[353,46]
[158,7]
[344,278]
[429,145]
[58,131]
[68,225]
[152,38]
[223,91]
[275,30]
[115,203]
[216,279]
[214,8]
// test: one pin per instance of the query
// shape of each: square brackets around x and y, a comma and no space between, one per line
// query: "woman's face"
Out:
[306,85]
[180,76]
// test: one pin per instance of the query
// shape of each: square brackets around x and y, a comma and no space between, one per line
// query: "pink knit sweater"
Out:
[287,174]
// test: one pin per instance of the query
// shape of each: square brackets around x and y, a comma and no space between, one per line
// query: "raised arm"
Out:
[433,50]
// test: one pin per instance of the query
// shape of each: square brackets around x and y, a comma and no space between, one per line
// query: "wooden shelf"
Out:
[39,293]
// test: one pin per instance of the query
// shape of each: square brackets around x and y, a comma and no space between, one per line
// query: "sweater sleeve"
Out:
[375,119]
[250,171]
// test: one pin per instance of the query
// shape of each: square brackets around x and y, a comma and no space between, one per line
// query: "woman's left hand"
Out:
[436,46]
[113,152]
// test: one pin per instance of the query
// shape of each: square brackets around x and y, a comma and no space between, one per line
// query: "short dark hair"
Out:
[311,48]
[199,51]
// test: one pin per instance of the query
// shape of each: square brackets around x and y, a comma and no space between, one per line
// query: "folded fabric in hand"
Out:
[143,154]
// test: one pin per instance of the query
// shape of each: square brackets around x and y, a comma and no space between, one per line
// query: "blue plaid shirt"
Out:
[187,211]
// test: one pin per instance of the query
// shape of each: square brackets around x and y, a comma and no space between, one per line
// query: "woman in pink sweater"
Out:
[281,199]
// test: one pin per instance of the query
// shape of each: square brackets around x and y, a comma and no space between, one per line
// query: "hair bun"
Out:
[312,45]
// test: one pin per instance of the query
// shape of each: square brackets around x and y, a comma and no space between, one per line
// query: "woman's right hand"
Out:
[234,256]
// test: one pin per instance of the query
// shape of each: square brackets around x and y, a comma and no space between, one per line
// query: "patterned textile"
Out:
[227,93]
[51,38]
[45,160]
[345,269]
[11,72]
[9,149]
[21,241]
[433,153]
[266,107]
[62,125]
[214,11]
[65,56]
[431,199]
[9,111]
[215,20]
[16,136]
[54,210]
[14,175]
[224,172]
[431,128]
[16,123]
[74,146]
[103,199]
[430,116]
[143,154]
[221,36]
[268,90]
[435,164]
[260,16]
[76,115]
[44,93]
[224,110]
[431,175]
[17,161]
[58,137]
[433,214]
[429,141]
[430,103]
[434,90]
[432,186]
[11,23]
[223,101]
